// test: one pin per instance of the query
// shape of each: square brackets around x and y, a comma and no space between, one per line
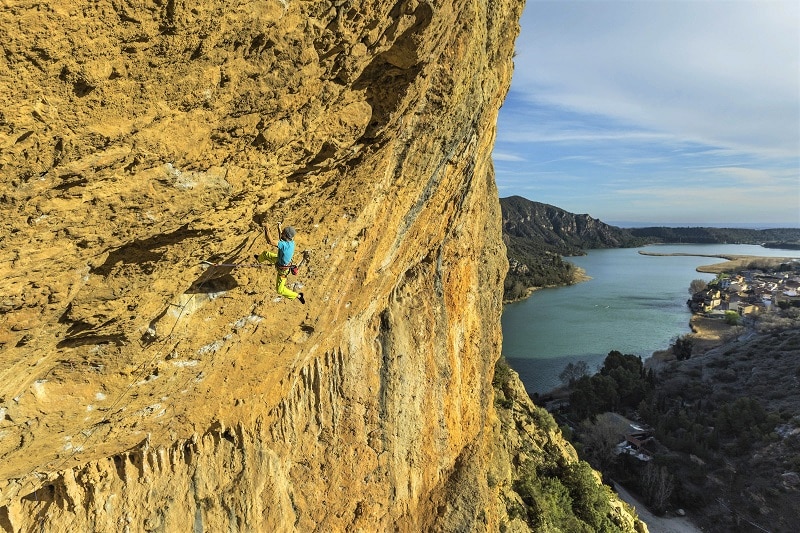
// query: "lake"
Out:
[634,303]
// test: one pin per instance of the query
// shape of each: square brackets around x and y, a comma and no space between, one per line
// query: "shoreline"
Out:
[731,261]
[710,338]
[706,334]
[578,276]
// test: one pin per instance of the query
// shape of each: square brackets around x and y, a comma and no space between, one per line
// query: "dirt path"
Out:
[657,524]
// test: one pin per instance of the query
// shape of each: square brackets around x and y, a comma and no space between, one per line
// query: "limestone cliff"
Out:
[143,391]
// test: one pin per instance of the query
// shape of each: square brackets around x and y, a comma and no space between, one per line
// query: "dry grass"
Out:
[709,333]
[736,263]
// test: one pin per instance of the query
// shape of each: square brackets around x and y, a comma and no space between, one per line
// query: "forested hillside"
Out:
[537,235]
[720,431]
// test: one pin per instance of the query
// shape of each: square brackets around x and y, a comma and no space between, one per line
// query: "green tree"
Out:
[573,372]
[697,285]
[606,392]
[682,348]
[616,359]
[658,485]
[566,497]
[550,505]
[582,400]
[629,377]
[589,496]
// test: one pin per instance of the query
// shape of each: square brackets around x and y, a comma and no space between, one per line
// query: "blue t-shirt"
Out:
[285,252]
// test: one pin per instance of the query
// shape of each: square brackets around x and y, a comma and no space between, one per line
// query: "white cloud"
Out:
[747,176]
[656,110]
[588,136]
[502,156]
[722,73]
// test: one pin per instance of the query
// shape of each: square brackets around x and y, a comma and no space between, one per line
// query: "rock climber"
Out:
[282,260]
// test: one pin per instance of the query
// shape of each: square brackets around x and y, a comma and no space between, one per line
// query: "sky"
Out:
[656,111]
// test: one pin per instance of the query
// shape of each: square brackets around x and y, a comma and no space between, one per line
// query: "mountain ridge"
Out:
[560,229]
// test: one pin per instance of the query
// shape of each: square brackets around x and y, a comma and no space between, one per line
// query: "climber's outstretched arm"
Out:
[269,237]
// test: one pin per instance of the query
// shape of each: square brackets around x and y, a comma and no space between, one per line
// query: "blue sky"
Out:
[679,112]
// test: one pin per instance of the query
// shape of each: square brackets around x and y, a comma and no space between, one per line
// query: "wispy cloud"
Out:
[681,93]
[723,73]
[502,156]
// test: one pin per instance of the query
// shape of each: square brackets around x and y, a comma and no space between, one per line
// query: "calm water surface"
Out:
[634,303]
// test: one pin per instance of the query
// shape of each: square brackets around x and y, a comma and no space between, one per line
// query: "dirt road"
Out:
[657,524]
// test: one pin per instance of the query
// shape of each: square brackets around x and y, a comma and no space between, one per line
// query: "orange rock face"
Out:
[143,390]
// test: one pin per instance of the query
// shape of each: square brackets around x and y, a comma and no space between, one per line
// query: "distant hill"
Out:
[561,230]
[537,235]
[775,238]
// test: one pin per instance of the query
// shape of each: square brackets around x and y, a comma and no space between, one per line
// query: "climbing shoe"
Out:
[300,297]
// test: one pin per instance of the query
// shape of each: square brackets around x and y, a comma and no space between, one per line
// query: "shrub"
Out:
[720,363]
[697,285]
[502,372]
[544,419]
[732,318]
[683,348]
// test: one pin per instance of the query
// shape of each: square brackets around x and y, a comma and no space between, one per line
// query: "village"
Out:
[749,291]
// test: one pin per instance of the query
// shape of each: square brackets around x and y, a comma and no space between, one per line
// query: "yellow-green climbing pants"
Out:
[280,280]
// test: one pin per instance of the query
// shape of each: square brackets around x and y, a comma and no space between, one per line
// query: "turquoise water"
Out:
[634,303]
